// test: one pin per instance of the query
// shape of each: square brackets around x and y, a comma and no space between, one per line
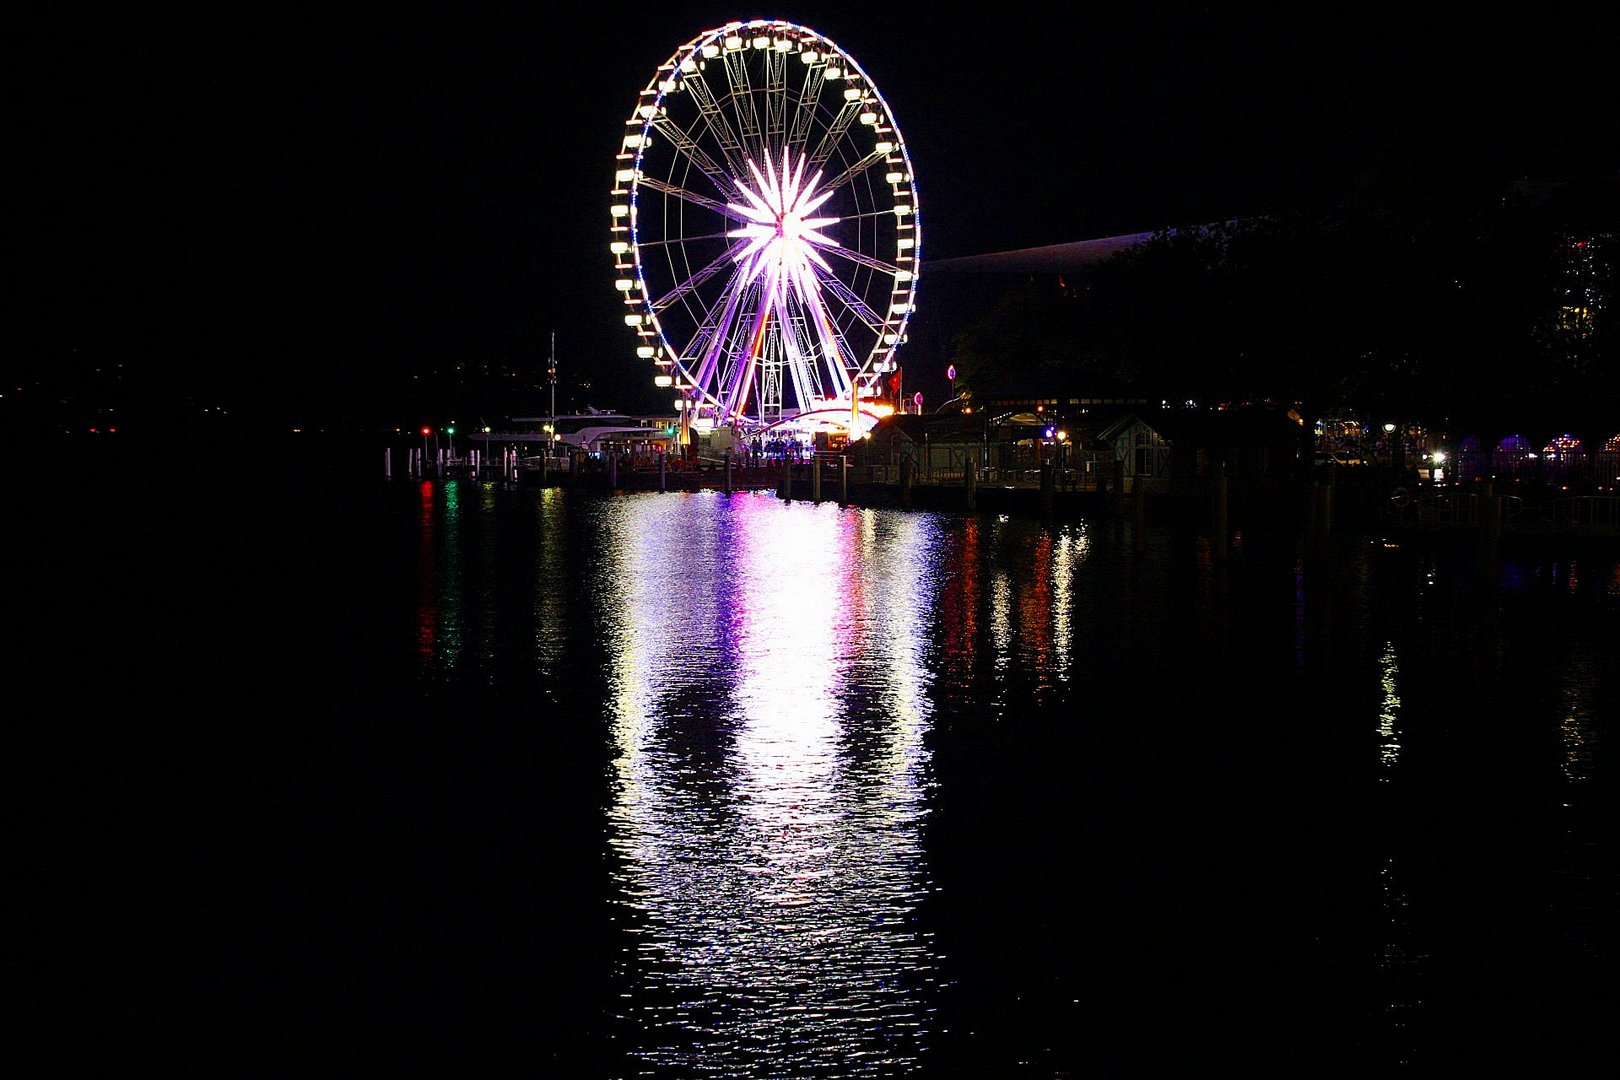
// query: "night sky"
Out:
[296,207]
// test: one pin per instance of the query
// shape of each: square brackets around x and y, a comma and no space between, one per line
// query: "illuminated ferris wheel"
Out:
[765,230]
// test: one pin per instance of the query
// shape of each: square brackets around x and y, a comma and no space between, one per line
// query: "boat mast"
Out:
[552,370]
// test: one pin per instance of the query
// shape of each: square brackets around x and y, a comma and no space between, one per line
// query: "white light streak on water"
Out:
[1072,546]
[1577,728]
[550,608]
[1389,747]
[1001,623]
[768,841]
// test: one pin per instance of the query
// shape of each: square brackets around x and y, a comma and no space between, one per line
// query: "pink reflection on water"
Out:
[769,716]
[427,577]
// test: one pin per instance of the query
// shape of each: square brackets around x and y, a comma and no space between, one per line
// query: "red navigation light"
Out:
[427,431]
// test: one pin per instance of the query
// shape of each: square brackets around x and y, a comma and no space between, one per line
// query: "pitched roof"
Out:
[1237,427]
[1052,258]
[938,427]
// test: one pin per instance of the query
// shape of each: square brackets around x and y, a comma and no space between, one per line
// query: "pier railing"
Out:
[1589,511]
[1465,510]
[1021,477]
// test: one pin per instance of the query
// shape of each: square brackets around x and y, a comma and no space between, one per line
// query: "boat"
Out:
[591,432]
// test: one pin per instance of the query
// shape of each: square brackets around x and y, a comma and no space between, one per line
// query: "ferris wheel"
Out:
[765,231]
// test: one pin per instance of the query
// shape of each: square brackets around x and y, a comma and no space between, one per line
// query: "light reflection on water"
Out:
[540,782]
[1020,581]
[1389,746]
[768,799]
[549,610]
[785,684]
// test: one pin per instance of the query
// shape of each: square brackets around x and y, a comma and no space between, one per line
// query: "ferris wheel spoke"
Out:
[701,351]
[727,260]
[863,259]
[863,165]
[798,133]
[675,243]
[776,100]
[876,327]
[718,329]
[806,343]
[834,346]
[713,116]
[835,133]
[693,151]
[850,300]
[691,197]
[745,359]
[743,113]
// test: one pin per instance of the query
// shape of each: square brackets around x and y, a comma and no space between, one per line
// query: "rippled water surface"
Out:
[467,778]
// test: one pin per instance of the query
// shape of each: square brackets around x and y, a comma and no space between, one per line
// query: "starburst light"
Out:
[783,239]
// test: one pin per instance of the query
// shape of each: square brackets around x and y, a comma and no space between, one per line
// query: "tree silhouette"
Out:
[1475,311]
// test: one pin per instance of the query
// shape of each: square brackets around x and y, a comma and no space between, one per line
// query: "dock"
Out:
[1317,508]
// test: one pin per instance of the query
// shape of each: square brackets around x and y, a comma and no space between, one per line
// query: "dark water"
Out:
[340,774]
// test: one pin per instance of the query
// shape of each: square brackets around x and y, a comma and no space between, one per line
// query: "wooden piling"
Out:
[1329,494]
[1490,536]
[1139,513]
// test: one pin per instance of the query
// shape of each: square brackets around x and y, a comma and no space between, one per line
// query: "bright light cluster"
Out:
[782,238]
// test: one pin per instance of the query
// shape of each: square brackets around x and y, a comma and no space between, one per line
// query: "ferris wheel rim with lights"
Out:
[765,232]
